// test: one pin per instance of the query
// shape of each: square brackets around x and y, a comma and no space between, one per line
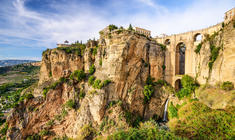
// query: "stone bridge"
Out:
[180,55]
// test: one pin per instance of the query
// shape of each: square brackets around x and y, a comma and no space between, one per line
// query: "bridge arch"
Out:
[167,42]
[197,37]
[180,58]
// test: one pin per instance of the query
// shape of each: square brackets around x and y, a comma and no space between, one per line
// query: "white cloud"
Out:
[81,22]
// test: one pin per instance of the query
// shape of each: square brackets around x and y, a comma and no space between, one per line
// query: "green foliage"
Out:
[100,62]
[50,123]
[163,67]
[70,104]
[92,69]
[198,48]
[87,132]
[214,54]
[91,80]
[197,121]
[132,119]
[33,137]
[106,82]
[76,48]
[223,25]
[173,111]
[44,133]
[189,85]
[148,89]
[148,92]
[82,94]
[163,47]
[227,85]
[147,131]
[112,27]
[97,84]
[130,28]
[3,131]
[29,96]
[78,75]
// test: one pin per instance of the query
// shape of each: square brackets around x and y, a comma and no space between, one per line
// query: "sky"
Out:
[28,27]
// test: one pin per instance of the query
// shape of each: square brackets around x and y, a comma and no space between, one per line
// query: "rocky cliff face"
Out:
[223,68]
[125,58]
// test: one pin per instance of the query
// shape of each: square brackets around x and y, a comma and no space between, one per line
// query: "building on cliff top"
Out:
[143,31]
[229,15]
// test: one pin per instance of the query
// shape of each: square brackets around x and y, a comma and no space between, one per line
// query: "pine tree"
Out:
[130,27]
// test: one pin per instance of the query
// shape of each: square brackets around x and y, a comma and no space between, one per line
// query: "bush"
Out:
[82,94]
[163,47]
[112,27]
[173,111]
[91,80]
[97,84]
[87,132]
[148,92]
[92,69]
[78,75]
[3,131]
[70,104]
[100,62]
[146,131]
[198,48]
[227,85]
[44,133]
[29,96]
[214,54]
[197,121]
[189,86]
[106,82]
[33,137]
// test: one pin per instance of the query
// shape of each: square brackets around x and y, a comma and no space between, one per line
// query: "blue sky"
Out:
[27,27]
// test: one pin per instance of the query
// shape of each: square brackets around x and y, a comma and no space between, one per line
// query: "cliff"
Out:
[67,101]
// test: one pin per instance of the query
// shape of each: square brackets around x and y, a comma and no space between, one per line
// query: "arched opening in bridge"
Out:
[197,37]
[167,42]
[180,59]
[178,85]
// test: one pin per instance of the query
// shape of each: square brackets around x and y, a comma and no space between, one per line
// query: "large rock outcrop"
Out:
[125,58]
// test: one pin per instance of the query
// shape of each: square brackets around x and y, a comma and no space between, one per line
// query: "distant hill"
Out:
[4,63]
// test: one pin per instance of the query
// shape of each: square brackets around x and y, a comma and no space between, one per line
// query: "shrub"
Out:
[189,85]
[97,84]
[222,24]
[197,121]
[106,82]
[29,96]
[163,47]
[70,104]
[112,27]
[91,80]
[198,48]
[50,123]
[3,131]
[44,133]
[214,54]
[147,131]
[87,132]
[148,92]
[78,75]
[92,69]
[33,137]
[163,67]
[44,92]
[82,94]
[100,62]
[130,28]
[227,85]
[173,111]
